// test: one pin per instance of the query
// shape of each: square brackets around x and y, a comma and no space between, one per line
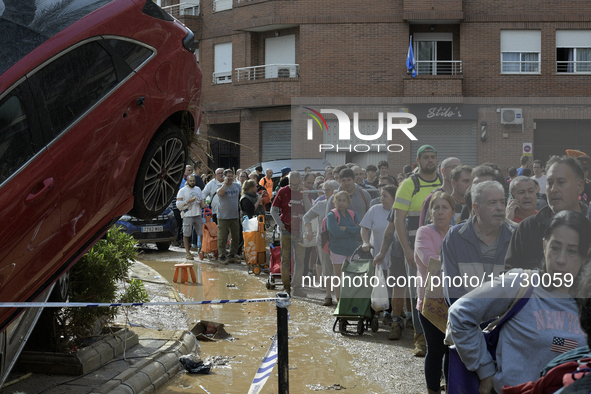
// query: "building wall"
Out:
[355,49]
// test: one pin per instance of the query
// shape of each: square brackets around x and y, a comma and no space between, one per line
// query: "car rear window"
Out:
[26,24]
[134,54]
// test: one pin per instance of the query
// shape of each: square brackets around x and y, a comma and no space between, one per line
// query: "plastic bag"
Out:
[379,295]
[250,224]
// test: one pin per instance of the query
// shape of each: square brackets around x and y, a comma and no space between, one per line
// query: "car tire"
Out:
[61,288]
[163,246]
[160,173]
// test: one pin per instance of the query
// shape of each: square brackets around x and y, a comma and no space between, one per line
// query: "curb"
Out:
[153,372]
[157,369]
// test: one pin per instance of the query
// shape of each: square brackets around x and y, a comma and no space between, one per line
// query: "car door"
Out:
[29,200]
[93,101]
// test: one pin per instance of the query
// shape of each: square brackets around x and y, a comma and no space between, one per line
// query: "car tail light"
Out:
[189,41]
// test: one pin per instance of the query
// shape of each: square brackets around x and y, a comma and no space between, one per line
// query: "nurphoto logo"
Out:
[345,130]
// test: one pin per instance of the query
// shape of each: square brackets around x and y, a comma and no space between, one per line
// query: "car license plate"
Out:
[152,229]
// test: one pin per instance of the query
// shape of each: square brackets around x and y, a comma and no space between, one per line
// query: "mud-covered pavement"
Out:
[320,360]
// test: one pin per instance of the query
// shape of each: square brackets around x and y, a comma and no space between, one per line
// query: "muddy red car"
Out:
[97,99]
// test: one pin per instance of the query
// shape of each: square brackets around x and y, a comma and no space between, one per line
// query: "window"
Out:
[280,57]
[134,54]
[17,143]
[222,5]
[74,82]
[223,63]
[573,51]
[433,52]
[520,51]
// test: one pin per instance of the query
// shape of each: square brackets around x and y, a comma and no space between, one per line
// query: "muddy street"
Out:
[320,360]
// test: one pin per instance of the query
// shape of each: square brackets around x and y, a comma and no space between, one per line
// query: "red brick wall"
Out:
[350,49]
[433,85]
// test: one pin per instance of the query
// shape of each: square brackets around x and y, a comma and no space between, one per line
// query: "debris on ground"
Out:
[210,331]
[193,364]
[319,387]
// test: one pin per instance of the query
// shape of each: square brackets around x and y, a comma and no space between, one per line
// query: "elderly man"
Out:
[211,189]
[287,210]
[477,248]
[522,199]
[564,184]
[228,222]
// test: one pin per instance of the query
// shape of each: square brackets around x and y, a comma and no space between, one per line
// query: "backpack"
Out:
[417,183]
[325,234]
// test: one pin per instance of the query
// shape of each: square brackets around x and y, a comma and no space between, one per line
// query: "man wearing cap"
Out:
[404,217]
[284,181]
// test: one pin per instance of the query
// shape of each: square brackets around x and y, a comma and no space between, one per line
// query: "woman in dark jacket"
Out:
[251,202]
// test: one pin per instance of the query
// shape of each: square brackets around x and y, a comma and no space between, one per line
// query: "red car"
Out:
[97,98]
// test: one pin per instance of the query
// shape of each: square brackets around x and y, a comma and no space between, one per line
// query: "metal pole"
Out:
[282,360]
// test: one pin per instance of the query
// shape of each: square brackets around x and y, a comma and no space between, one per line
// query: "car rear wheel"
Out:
[163,246]
[160,172]
[61,288]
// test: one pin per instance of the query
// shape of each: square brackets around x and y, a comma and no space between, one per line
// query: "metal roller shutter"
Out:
[450,138]
[276,137]
[574,134]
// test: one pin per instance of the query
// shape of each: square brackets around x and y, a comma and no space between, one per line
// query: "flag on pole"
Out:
[265,369]
[410,60]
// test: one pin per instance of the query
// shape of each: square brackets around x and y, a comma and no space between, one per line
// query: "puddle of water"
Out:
[315,357]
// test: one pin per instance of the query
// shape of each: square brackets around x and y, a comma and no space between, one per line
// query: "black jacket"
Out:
[526,248]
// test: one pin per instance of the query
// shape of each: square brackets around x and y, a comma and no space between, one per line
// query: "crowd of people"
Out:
[446,218]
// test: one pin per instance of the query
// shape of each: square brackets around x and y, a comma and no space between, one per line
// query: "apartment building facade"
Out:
[493,76]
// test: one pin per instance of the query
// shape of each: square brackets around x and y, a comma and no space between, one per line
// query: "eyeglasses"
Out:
[452,166]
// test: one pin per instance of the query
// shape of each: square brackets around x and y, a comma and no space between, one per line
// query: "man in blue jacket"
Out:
[474,252]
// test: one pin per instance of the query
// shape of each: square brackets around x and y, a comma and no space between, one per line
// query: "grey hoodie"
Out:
[525,341]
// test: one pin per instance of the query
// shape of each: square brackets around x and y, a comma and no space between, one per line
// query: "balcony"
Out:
[267,71]
[222,5]
[442,78]
[222,77]
[439,67]
[183,9]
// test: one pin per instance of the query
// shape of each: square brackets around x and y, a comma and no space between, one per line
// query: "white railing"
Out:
[222,5]
[267,71]
[439,67]
[182,9]
[526,66]
[573,66]
[222,77]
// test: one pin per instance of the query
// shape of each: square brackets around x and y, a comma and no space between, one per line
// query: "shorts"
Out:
[338,258]
[396,267]
[192,222]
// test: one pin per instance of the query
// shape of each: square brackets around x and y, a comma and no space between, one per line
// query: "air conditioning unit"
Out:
[511,116]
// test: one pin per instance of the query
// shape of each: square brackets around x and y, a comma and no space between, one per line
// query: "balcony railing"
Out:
[439,67]
[182,9]
[578,66]
[222,5]
[222,77]
[267,71]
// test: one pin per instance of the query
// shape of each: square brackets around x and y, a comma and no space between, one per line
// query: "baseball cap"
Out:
[425,148]
[285,170]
